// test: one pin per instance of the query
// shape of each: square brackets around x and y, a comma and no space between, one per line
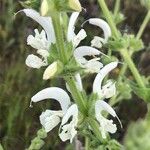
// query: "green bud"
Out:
[52,70]
[42,134]
[49,7]
[75,5]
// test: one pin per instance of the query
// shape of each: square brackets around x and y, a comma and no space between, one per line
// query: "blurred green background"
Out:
[18,83]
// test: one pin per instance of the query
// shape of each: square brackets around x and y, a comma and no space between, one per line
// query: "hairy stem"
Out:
[132,67]
[87,143]
[143,26]
[109,18]
[59,37]
[77,96]
[117,7]
[124,53]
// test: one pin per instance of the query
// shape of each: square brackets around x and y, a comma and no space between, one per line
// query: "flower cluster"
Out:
[42,42]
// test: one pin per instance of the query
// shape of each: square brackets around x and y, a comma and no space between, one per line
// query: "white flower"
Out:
[108,90]
[91,66]
[71,36]
[45,22]
[49,119]
[39,41]
[98,41]
[35,62]
[106,125]
[68,128]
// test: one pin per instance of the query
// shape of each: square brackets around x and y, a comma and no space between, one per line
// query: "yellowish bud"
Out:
[50,71]
[44,8]
[75,5]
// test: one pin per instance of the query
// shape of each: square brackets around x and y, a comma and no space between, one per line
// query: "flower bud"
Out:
[49,7]
[46,7]
[42,134]
[52,70]
[75,5]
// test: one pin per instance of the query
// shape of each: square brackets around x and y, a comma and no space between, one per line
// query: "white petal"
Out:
[109,89]
[34,62]
[53,93]
[93,66]
[106,125]
[68,130]
[50,71]
[45,22]
[39,41]
[97,85]
[79,37]
[102,105]
[97,42]
[103,25]
[49,119]
[43,53]
[82,51]
[72,111]
[71,26]
[79,82]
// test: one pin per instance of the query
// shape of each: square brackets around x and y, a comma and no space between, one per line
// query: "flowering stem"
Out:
[143,26]
[109,18]
[95,126]
[132,67]
[59,36]
[139,34]
[86,143]
[77,96]
[124,52]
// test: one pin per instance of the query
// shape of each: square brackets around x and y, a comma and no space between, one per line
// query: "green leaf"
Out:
[126,42]
[54,55]
[118,18]
[135,44]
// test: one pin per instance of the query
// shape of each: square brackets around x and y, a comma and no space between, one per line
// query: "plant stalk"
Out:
[77,96]
[143,26]
[59,36]
[124,52]
[117,7]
